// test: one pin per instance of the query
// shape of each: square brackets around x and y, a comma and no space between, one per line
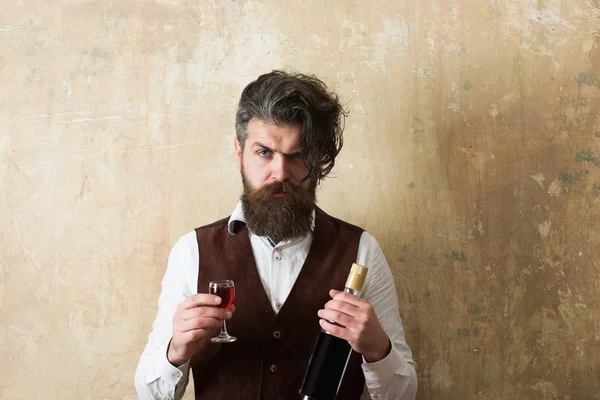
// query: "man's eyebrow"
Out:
[265,147]
[293,154]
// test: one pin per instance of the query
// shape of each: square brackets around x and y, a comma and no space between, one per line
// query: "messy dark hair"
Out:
[286,98]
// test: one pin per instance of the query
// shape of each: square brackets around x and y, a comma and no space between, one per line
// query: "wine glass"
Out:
[226,291]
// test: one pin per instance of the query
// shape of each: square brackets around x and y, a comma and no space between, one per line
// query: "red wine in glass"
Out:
[226,291]
[227,295]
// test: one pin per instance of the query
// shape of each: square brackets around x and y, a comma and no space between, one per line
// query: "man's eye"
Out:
[264,153]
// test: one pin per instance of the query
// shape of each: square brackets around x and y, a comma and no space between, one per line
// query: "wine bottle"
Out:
[331,354]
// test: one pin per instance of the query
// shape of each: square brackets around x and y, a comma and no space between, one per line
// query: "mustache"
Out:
[266,192]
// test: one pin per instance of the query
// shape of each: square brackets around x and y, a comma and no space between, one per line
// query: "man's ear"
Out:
[238,152]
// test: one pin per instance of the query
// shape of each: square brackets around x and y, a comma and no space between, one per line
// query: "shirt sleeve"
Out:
[394,377]
[155,377]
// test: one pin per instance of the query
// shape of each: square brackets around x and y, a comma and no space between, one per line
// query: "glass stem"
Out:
[224,329]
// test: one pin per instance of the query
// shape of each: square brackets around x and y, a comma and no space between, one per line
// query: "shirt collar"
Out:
[237,216]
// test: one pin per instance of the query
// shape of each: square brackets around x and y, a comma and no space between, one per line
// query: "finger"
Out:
[336,330]
[342,306]
[347,297]
[200,299]
[201,334]
[198,335]
[199,324]
[204,312]
[337,317]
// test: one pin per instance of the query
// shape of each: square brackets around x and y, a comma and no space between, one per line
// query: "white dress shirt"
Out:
[392,378]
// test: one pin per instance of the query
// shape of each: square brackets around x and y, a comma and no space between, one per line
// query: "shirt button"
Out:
[274,368]
[278,305]
[277,334]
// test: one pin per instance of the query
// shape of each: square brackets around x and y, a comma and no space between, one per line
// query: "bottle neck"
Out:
[352,291]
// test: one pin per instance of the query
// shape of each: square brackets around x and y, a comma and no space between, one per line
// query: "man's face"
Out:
[271,154]
[277,201]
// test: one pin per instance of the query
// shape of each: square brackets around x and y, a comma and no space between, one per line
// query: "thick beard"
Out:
[279,218]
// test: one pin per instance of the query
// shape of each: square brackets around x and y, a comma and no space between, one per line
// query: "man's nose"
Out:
[281,168]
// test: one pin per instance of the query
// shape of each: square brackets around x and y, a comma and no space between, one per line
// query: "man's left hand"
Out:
[358,324]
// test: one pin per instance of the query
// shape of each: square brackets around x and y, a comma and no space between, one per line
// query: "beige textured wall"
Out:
[472,153]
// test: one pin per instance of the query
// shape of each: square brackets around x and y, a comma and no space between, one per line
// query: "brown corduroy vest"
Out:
[270,357]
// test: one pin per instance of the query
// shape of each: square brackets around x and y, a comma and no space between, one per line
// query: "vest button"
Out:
[277,334]
[274,368]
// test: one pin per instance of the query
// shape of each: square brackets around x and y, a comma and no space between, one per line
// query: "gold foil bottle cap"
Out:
[357,276]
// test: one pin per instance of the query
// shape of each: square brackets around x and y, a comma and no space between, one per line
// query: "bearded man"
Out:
[287,257]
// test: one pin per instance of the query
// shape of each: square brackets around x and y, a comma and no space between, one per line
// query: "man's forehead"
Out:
[274,136]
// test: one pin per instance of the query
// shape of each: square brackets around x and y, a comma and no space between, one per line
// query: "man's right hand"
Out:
[196,320]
